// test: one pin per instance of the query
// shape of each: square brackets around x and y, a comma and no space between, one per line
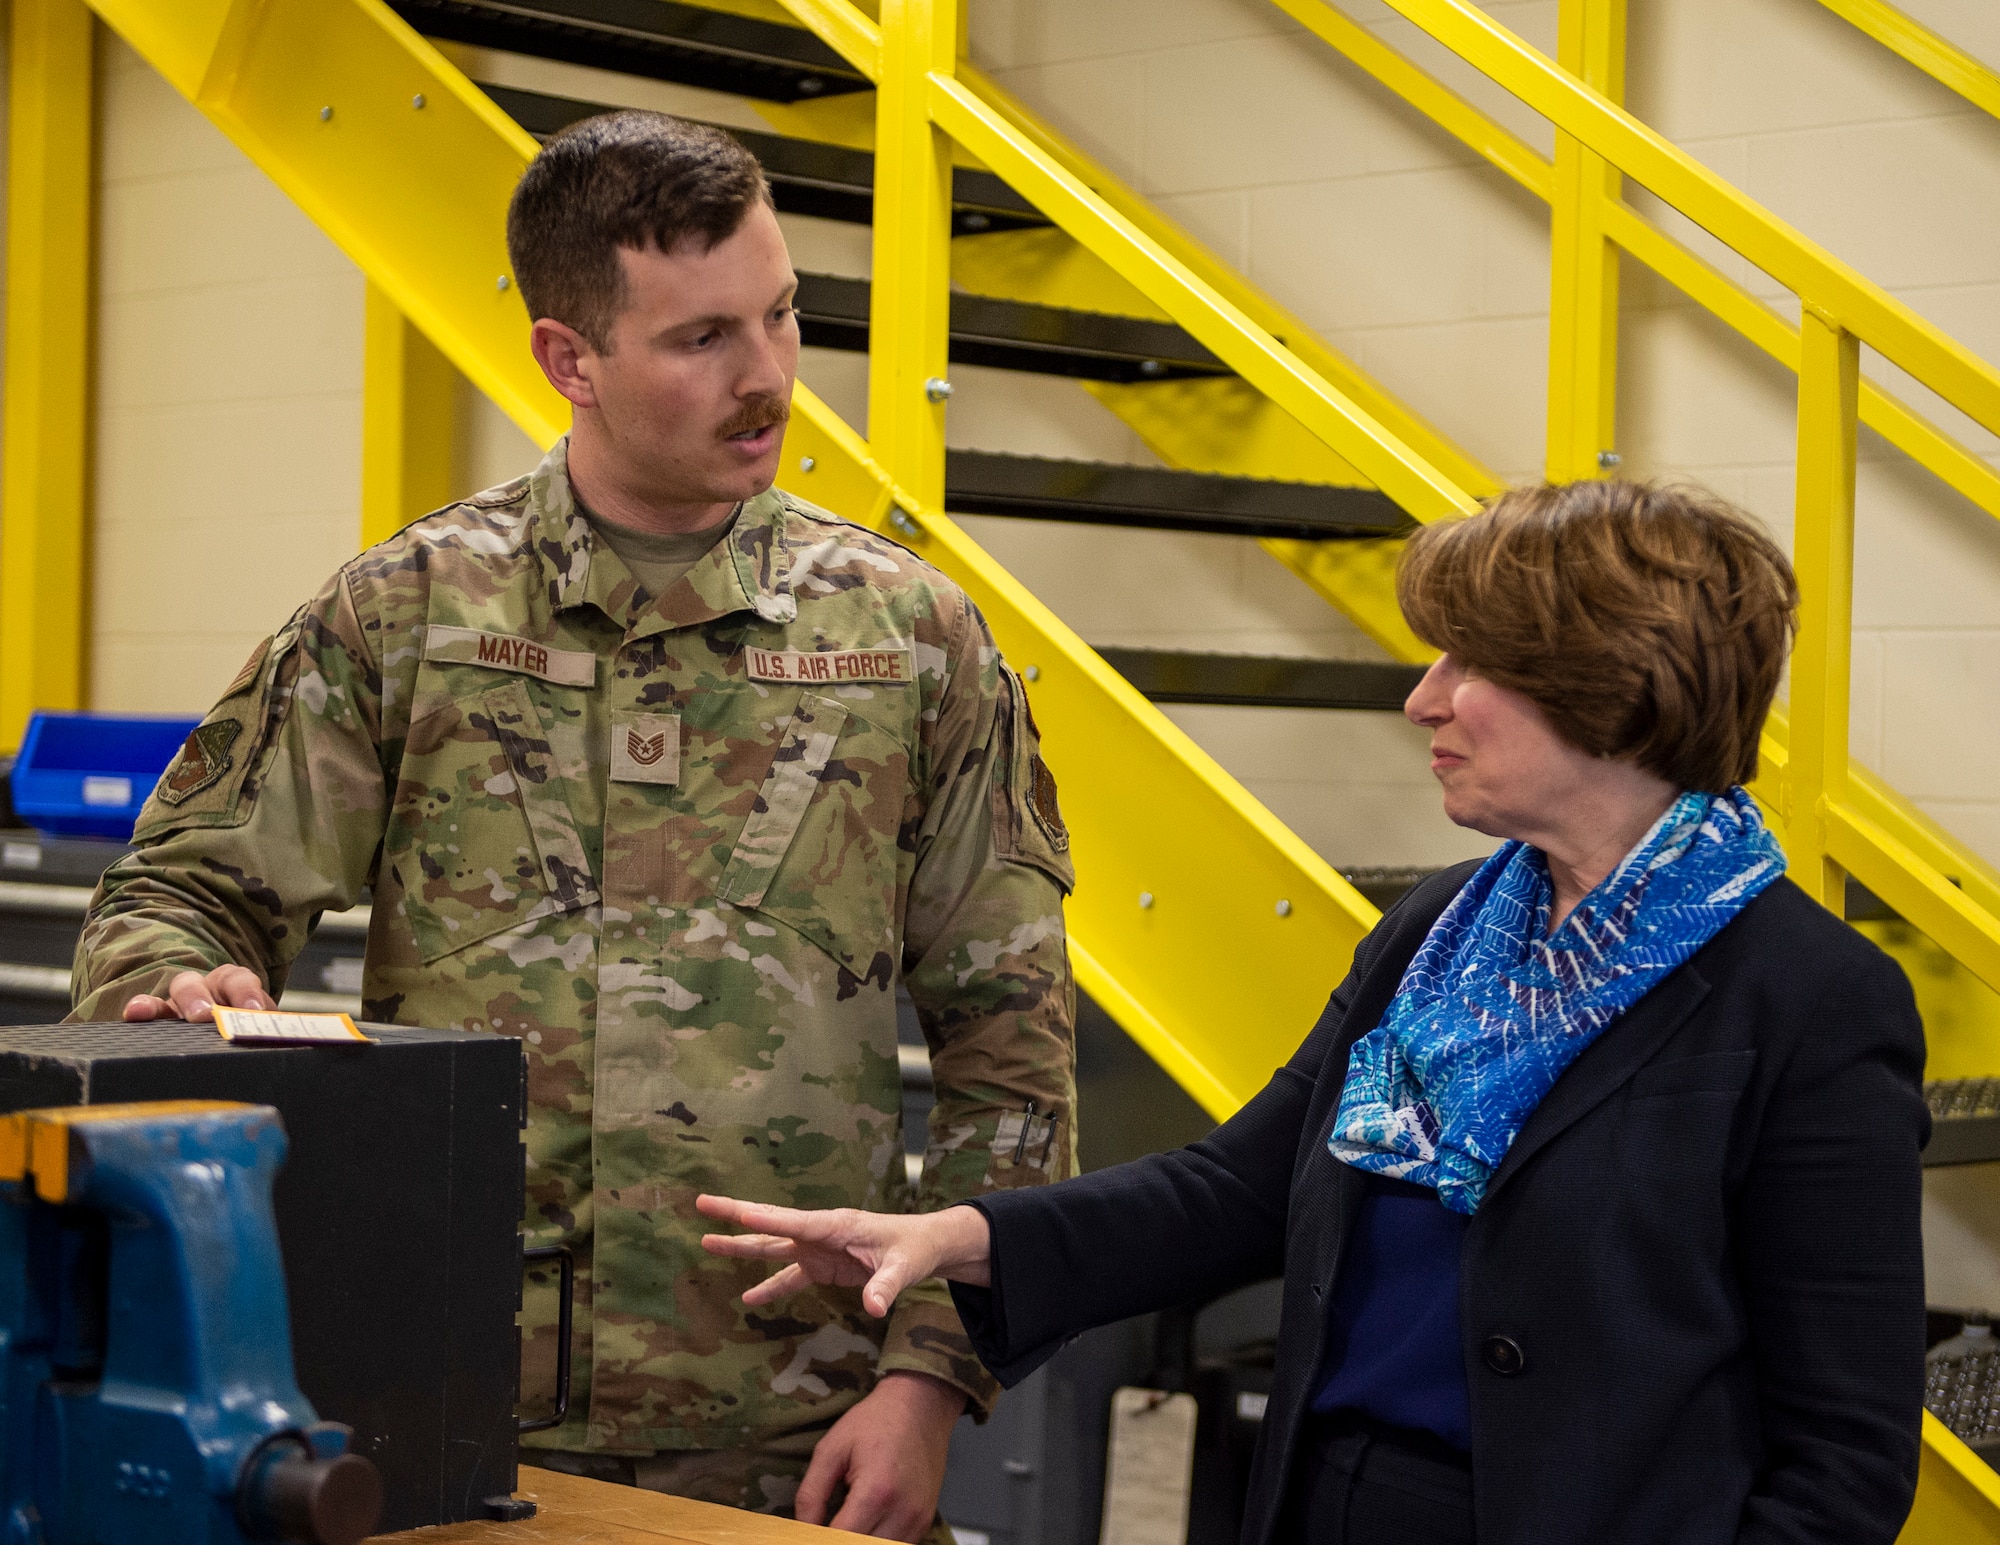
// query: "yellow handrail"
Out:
[1938,57]
[1830,823]
[1911,433]
[1851,301]
[1242,344]
[1236,338]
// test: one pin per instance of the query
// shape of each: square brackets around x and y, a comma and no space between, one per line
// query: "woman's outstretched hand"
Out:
[881,1252]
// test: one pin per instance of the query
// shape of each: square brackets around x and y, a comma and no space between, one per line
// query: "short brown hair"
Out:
[624,179]
[1649,621]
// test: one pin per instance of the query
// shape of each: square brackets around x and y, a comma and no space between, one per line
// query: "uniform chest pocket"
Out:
[481,836]
[818,851]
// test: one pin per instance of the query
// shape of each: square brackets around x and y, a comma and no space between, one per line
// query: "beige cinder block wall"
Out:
[228,401]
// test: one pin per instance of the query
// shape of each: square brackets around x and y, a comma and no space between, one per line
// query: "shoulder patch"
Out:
[212,779]
[243,678]
[204,758]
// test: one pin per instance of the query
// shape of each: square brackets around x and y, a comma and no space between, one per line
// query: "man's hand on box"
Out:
[193,997]
[888,1454]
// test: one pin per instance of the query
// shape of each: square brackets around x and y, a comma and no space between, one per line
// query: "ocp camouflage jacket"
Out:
[685,848]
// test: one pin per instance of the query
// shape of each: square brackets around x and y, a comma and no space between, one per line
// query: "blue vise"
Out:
[146,1386]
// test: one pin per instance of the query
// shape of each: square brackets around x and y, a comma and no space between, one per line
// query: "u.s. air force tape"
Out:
[505,652]
[831,667]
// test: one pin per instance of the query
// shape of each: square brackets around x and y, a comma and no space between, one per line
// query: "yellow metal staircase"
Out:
[407,165]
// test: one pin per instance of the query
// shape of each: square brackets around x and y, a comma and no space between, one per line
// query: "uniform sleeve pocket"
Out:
[1721,1072]
[481,836]
[1028,825]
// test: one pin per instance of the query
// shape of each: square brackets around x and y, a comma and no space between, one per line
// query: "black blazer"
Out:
[1692,1304]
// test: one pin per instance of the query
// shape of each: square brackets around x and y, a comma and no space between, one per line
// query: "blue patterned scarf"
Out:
[1491,1010]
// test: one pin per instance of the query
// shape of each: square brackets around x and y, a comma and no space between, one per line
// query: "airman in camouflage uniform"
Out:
[685,847]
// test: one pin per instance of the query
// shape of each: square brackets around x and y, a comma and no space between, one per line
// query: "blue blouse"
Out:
[1393,1348]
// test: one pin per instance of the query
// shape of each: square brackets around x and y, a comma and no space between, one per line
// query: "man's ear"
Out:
[566,358]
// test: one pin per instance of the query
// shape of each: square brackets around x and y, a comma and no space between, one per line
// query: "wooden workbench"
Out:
[574,1511]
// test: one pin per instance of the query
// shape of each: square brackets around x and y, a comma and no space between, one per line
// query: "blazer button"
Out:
[1504,1355]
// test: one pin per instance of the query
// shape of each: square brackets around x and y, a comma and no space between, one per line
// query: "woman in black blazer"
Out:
[1595,1188]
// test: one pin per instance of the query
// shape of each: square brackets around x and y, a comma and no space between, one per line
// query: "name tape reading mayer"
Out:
[504,652]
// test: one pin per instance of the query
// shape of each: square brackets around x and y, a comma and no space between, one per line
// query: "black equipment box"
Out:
[398,1209]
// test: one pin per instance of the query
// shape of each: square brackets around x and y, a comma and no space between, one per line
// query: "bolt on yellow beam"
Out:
[45,424]
[408,421]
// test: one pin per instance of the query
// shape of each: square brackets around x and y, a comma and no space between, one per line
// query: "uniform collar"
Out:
[746,571]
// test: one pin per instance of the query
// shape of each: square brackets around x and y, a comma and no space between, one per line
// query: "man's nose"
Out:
[763,370]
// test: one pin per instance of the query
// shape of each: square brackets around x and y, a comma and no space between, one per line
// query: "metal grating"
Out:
[1963,1392]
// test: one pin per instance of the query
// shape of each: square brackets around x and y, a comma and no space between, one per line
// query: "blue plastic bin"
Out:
[87,774]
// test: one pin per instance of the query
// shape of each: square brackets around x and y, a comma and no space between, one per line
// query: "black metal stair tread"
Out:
[658,39]
[1263,681]
[1965,1120]
[807,177]
[1158,498]
[1018,335]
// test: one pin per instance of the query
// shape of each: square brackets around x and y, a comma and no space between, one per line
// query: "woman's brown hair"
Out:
[1649,621]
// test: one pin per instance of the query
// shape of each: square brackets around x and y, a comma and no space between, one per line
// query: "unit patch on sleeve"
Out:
[204,758]
[504,652]
[645,748]
[891,665]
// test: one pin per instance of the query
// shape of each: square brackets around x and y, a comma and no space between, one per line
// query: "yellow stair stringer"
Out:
[1215,978]
[1958,1494]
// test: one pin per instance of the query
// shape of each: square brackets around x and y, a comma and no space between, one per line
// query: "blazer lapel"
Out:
[1625,1046]
[1329,1190]
[1332,1209]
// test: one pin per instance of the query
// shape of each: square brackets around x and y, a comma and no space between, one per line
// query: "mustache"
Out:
[755,414]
